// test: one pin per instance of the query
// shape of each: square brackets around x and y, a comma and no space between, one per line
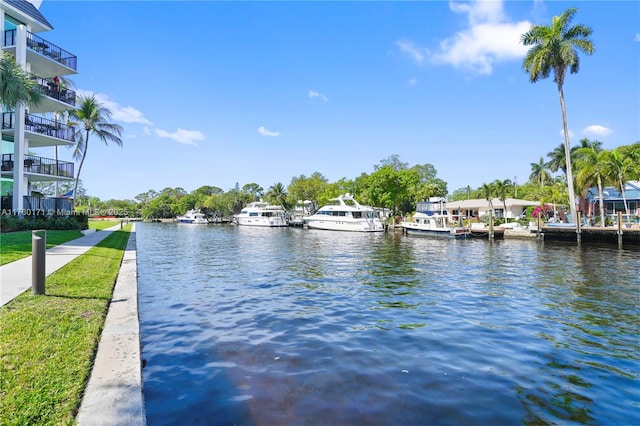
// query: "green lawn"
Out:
[48,343]
[102,224]
[17,245]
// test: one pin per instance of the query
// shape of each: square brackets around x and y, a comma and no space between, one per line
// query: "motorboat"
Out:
[260,213]
[345,214]
[301,212]
[433,220]
[192,216]
[433,224]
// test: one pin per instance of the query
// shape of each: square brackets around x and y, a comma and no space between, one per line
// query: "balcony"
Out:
[56,96]
[39,168]
[48,59]
[40,131]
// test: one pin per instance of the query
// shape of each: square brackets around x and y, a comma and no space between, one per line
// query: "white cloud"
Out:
[412,82]
[313,95]
[147,130]
[126,114]
[561,133]
[188,137]
[637,37]
[489,38]
[597,130]
[409,48]
[264,132]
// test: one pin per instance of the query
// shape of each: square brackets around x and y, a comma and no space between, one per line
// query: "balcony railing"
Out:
[55,90]
[44,47]
[40,125]
[40,165]
[39,205]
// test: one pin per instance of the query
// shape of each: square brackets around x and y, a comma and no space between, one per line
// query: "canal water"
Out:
[254,326]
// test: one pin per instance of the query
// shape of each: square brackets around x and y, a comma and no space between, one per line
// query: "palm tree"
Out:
[487,190]
[555,50]
[592,169]
[557,159]
[15,84]
[92,116]
[277,194]
[621,169]
[539,172]
[501,188]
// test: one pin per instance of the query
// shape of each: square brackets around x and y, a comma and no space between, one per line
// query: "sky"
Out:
[225,93]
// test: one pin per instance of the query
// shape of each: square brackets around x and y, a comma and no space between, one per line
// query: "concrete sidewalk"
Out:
[113,395]
[15,277]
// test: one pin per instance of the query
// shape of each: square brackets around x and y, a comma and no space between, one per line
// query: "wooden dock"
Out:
[610,235]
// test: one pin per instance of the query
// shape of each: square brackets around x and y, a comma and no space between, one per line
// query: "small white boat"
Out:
[260,213]
[301,212]
[433,220]
[345,214]
[192,216]
[433,225]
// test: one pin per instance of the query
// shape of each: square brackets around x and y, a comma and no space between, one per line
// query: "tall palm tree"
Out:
[15,84]
[92,118]
[539,172]
[592,169]
[555,49]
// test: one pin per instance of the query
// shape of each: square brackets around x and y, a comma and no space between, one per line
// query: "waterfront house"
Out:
[614,201]
[515,208]
[30,135]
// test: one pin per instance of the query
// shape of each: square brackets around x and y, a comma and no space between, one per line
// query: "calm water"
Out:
[302,327]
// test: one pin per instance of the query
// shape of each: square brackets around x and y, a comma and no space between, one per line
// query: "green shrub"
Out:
[11,223]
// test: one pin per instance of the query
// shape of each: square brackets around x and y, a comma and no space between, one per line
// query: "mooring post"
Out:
[38,264]
[619,229]
[539,225]
[578,230]
[490,224]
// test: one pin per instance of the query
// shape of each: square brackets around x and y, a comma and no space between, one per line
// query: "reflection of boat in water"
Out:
[301,212]
[260,213]
[434,224]
[192,216]
[345,214]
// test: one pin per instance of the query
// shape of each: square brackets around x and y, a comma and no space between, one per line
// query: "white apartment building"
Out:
[32,135]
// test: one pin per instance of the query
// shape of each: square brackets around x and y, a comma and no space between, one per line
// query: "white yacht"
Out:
[192,216]
[345,214]
[433,225]
[260,213]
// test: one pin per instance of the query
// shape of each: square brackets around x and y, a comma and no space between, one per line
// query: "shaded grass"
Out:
[17,245]
[48,343]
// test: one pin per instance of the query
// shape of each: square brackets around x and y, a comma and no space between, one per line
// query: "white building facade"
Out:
[32,134]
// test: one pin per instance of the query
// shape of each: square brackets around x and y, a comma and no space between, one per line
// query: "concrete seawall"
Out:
[114,395]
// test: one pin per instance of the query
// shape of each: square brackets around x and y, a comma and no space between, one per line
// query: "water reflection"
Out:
[292,326]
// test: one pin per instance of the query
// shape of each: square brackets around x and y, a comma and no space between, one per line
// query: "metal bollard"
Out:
[38,254]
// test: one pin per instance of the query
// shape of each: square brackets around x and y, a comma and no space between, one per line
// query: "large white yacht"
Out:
[260,213]
[345,214]
[193,216]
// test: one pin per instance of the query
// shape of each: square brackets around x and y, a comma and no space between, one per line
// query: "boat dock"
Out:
[620,236]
